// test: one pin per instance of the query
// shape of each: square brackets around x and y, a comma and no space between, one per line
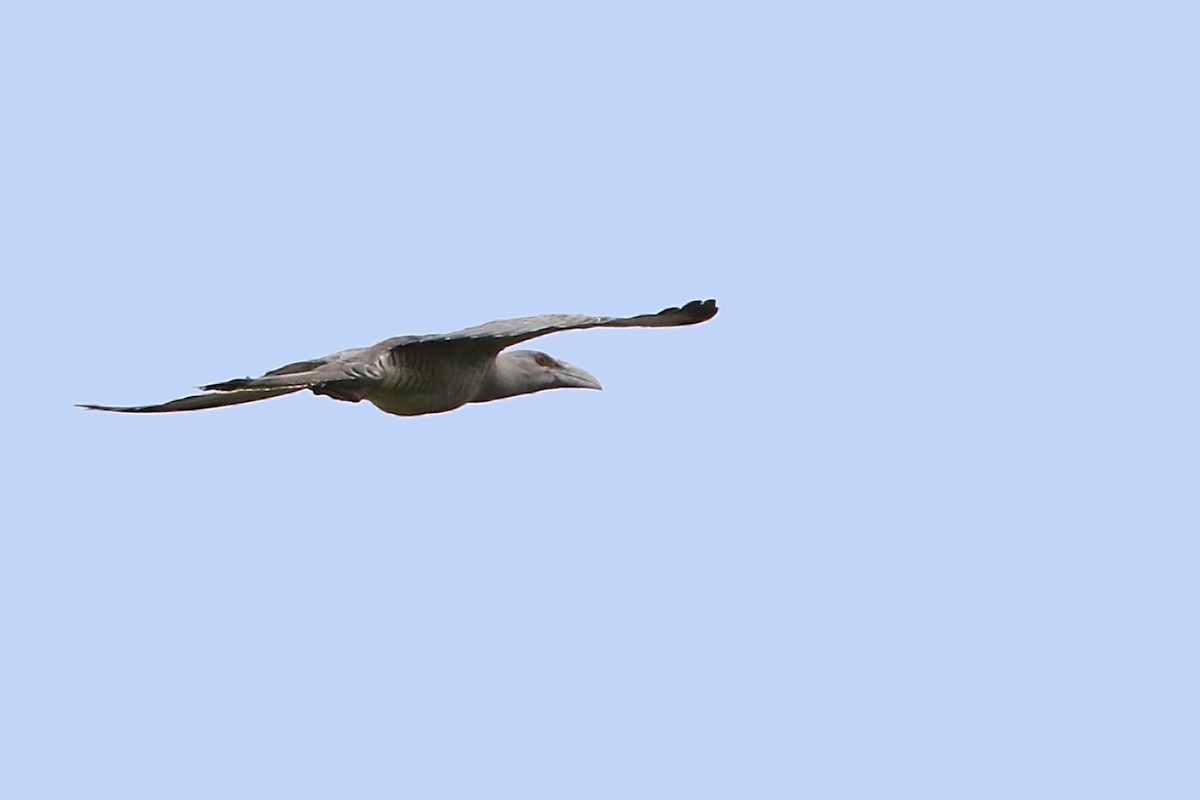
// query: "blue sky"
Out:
[914,516]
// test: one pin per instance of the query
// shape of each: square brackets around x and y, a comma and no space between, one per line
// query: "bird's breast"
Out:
[427,380]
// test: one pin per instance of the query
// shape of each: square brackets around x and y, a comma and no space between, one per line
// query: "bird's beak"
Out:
[572,377]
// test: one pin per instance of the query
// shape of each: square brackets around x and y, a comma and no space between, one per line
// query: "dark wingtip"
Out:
[695,311]
[91,407]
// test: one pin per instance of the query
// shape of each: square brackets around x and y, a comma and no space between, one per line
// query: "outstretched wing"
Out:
[196,402]
[346,376]
[507,332]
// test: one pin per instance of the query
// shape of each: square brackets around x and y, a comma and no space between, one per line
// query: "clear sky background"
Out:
[915,516]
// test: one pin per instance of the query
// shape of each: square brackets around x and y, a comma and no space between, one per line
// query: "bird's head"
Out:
[526,371]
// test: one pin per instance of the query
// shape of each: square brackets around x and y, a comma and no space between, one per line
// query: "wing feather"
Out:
[196,402]
[507,332]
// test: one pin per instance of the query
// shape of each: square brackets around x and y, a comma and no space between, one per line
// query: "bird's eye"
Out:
[544,360]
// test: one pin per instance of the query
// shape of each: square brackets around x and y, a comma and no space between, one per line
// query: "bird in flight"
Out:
[413,375]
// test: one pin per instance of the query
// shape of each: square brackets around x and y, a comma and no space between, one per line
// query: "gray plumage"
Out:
[412,375]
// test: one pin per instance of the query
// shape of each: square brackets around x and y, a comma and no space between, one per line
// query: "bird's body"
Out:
[430,378]
[413,375]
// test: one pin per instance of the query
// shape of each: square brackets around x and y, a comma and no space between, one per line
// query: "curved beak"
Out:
[572,377]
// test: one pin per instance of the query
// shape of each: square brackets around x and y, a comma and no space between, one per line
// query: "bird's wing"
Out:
[347,375]
[504,333]
[196,402]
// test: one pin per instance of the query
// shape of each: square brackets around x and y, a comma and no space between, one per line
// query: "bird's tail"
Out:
[301,375]
[268,383]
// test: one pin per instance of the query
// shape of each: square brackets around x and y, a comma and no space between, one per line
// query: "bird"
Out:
[430,374]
